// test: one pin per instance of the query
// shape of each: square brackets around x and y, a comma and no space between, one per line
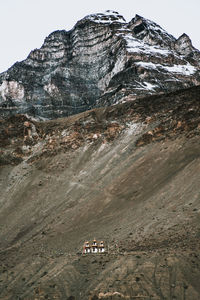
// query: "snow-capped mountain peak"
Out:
[107,17]
[102,61]
[150,32]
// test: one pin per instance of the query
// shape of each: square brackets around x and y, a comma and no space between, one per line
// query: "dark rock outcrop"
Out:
[102,61]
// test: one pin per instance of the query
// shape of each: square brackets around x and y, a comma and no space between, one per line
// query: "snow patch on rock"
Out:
[51,89]
[146,86]
[107,17]
[136,45]
[180,69]
[11,89]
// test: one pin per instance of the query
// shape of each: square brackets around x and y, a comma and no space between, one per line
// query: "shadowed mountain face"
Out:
[102,61]
[129,175]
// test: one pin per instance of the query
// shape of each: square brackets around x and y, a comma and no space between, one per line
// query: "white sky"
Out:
[24,24]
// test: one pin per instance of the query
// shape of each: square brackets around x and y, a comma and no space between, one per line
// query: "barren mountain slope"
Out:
[129,175]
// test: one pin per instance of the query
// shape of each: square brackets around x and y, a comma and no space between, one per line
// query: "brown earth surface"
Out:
[127,174]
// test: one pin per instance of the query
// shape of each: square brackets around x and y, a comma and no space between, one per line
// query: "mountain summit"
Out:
[103,60]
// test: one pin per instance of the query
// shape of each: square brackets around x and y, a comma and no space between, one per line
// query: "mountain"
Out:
[103,60]
[127,174]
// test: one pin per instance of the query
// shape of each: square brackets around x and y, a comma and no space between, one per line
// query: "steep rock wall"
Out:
[102,61]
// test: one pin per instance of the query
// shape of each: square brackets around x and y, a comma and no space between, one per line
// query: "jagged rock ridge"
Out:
[102,61]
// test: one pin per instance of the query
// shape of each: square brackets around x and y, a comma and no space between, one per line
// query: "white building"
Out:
[86,248]
[101,247]
[93,247]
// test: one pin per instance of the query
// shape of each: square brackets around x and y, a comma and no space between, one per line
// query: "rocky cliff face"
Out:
[102,61]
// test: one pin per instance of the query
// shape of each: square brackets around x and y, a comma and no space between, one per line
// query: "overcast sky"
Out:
[24,24]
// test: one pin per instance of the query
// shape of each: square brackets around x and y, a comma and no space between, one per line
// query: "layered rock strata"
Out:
[102,61]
